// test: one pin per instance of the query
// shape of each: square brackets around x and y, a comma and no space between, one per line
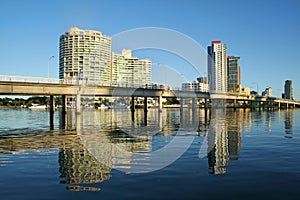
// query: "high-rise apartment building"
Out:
[288,89]
[128,71]
[233,73]
[85,55]
[217,67]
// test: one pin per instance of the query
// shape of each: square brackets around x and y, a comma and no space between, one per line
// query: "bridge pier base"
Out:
[145,110]
[234,104]
[64,104]
[252,105]
[64,111]
[132,108]
[52,110]
[145,104]
[205,103]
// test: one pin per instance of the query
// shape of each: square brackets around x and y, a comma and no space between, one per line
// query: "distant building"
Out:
[190,86]
[128,71]
[85,55]
[267,92]
[203,85]
[254,93]
[244,91]
[288,89]
[202,80]
[233,73]
[217,67]
[199,85]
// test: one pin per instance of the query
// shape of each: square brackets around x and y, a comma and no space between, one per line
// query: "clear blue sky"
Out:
[264,33]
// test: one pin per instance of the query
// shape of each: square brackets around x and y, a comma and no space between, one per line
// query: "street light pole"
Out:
[49,66]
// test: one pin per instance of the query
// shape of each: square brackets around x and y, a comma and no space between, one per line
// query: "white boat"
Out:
[37,107]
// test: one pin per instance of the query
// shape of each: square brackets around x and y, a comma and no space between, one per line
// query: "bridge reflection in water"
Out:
[95,142]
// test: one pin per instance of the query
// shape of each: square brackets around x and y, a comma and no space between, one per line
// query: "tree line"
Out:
[18,102]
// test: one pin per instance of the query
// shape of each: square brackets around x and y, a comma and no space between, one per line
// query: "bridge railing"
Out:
[77,81]
[28,79]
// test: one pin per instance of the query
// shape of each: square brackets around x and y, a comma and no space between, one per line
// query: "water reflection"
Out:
[223,139]
[77,165]
[288,121]
[95,142]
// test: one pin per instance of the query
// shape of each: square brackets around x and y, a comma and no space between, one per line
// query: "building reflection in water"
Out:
[95,142]
[223,139]
[288,121]
[113,140]
[103,146]
[77,165]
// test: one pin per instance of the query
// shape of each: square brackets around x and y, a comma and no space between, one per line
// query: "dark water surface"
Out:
[221,154]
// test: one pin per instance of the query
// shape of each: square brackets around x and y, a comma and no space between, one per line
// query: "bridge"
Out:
[19,85]
[13,85]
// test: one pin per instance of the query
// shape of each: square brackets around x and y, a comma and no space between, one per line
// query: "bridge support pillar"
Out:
[205,103]
[181,104]
[52,110]
[64,104]
[278,105]
[64,110]
[145,104]
[251,105]
[160,104]
[132,108]
[145,110]
[78,103]
[234,104]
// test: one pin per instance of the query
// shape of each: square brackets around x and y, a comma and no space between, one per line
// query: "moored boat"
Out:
[37,107]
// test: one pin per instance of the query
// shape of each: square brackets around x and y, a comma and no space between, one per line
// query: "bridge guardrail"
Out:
[76,81]
[28,79]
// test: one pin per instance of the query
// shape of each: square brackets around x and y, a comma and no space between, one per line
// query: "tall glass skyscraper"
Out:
[234,74]
[217,67]
[288,89]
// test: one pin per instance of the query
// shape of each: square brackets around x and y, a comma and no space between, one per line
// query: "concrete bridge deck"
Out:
[56,89]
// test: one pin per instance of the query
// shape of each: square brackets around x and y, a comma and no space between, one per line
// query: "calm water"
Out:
[104,155]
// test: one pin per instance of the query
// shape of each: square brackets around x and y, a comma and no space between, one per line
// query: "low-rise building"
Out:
[128,71]
[196,86]
[267,92]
